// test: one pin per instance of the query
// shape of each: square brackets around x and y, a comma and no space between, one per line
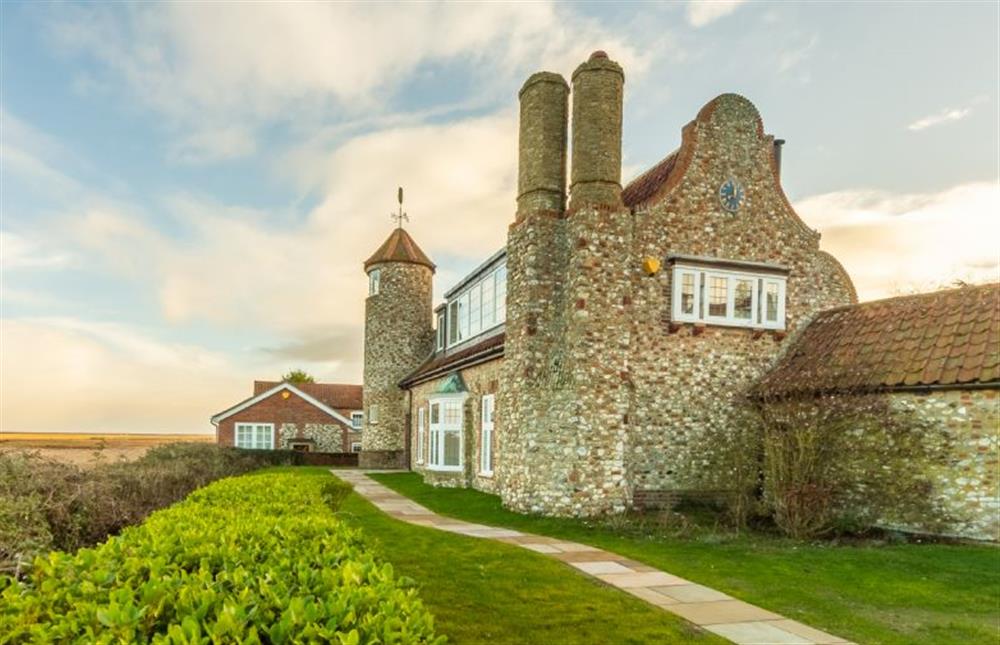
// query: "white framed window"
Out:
[500,282]
[374,281]
[421,433]
[486,437]
[356,446]
[255,436]
[373,414]
[477,309]
[446,433]
[357,420]
[440,331]
[732,298]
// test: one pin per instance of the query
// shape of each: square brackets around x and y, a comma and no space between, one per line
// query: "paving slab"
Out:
[643,579]
[601,566]
[738,621]
[814,635]
[721,611]
[693,593]
[755,633]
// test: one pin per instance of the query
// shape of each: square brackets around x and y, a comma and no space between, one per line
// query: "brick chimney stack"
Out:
[598,86]
[541,171]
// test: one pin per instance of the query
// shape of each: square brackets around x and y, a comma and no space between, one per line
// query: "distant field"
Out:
[86,448]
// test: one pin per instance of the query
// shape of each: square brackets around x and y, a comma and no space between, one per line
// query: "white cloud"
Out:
[290,276]
[309,62]
[792,57]
[891,243]
[19,252]
[944,116]
[703,12]
[214,144]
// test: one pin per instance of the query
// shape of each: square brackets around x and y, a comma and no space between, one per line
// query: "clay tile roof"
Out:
[648,183]
[335,395]
[944,338]
[441,363]
[399,247]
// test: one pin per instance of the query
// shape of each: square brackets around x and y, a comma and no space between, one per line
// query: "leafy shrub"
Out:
[46,504]
[848,463]
[252,559]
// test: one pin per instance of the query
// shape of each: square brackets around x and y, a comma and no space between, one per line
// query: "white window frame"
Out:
[252,432]
[702,285]
[357,420]
[374,282]
[438,430]
[487,417]
[470,317]
[373,414]
[421,432]
[355,446]
[441,329]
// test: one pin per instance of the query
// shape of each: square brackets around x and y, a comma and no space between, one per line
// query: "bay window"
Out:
[732,294]
[445,451]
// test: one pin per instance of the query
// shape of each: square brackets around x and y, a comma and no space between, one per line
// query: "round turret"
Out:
[398,336]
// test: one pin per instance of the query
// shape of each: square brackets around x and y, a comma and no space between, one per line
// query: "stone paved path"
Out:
[728,617]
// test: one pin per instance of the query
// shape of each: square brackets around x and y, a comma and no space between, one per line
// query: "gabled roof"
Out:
[399,247]
[946,338]
[648,183]
[335,395]
[246,403]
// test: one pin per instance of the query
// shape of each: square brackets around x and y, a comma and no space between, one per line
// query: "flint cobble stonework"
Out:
[398,337]
[968,484]
[687,377]
[604,400]
[479,380]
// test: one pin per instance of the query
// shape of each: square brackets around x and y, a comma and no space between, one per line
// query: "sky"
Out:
[188,190]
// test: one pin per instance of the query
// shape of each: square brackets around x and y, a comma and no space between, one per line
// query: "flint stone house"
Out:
[577,370]
[310,417]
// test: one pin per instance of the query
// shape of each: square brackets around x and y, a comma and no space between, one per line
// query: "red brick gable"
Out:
[279,410]
[334,395]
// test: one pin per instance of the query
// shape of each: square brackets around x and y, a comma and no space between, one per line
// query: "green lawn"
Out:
[482,591]
[902,593]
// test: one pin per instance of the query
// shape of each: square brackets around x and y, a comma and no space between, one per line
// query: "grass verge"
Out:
[483,591]
[884,593]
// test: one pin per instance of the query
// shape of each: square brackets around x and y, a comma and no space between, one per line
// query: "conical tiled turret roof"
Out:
[399,247]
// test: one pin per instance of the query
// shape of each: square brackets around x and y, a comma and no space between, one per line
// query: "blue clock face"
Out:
[731,194]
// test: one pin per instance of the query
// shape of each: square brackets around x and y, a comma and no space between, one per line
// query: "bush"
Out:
[848,463]
[45,504]
[252,559]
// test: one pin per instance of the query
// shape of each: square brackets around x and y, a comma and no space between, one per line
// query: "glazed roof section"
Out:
[945,338]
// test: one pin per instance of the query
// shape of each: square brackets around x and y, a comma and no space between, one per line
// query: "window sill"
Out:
[446,469]
[486,474]
[698,327]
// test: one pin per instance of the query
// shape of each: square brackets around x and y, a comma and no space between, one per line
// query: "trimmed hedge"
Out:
[253,559]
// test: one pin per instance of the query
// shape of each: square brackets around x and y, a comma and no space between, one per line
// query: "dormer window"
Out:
[728,293]
[440,331]
[374,281]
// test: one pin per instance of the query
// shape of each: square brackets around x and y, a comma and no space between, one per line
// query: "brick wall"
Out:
[293,417]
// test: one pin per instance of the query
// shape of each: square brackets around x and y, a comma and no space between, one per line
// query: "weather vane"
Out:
[400,217]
